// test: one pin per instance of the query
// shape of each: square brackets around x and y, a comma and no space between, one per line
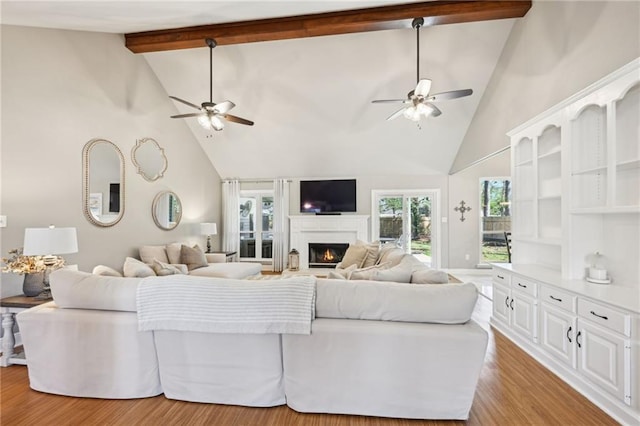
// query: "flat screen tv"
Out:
[328,196]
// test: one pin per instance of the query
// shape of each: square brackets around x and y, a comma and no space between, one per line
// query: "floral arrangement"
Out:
[20,264]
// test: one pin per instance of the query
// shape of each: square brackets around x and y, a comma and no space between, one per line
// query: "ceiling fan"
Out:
[211,114]
[419,100]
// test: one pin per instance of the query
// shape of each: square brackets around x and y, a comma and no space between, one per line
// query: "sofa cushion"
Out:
[354,255]
[193,257]
[106,271]
[365,273]
[342,273]
[373,300]
[161,269]
[82,290]
[149,253]
[237,270]
[429,276]
[135,268]
[173,252]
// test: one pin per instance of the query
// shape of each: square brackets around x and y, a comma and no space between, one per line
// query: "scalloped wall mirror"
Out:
[149,159]
[102,183]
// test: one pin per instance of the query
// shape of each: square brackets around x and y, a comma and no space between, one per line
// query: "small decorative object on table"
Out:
[208,229]
[32,267]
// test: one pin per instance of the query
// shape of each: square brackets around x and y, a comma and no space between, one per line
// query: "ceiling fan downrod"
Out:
[417,23]
[211,43]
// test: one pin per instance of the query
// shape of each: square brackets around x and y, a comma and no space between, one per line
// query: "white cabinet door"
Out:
[558,333]
[501,299]
[524,315]
[604,358]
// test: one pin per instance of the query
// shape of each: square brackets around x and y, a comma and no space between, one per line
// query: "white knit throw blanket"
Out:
[219,305]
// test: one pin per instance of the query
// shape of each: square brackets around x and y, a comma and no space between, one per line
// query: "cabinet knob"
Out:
[556,299]
[506,302]
[522,285]
[568,337]
[578,339]
[500,276]
[511,304]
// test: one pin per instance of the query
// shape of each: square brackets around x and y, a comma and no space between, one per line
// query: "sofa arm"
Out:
[216,257]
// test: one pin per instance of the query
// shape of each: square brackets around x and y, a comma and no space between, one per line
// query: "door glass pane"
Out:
[247,227]
[420,225]
[390,218]
[267,226]
[495,203]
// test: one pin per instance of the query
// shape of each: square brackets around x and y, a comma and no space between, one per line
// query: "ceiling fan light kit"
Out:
[419,101]
[211,115]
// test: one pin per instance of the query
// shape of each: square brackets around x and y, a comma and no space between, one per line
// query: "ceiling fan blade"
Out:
[388,101]
[237,119]
[223,107]
[192,114]
[185,102]
[423,87]
[396,114]
[445,96]
[435,111]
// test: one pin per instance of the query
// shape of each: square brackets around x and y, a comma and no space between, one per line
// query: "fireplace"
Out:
[324,255]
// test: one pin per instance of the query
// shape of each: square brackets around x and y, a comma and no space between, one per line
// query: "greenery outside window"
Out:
[495,219]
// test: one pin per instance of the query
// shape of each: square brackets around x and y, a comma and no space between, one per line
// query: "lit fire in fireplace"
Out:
[328,256]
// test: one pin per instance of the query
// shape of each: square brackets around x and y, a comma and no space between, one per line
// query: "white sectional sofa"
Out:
[375,348]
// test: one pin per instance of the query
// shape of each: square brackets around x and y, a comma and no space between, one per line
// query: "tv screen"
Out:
[328,196]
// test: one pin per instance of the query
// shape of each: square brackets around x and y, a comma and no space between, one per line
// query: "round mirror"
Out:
[166,210]
[103,184]
[149,159]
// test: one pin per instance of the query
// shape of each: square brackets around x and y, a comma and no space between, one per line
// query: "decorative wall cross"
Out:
[462,209]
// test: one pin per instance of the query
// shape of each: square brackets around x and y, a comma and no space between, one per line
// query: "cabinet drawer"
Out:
[558,298]
[524,286]
[501,277]
[605,316]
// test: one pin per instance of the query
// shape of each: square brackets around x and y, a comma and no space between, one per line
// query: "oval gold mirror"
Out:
[103,182]
[166,210]
[149,159]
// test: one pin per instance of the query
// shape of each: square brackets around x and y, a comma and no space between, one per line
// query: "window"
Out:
[256,225]
[495,219]
[408,218]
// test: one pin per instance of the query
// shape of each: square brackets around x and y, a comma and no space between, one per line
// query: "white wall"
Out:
[61,89]
[557,49]
[464,237]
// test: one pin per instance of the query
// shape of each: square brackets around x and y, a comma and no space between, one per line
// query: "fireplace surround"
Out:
[339,229]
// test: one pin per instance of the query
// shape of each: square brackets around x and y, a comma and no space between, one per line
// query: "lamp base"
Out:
[208,243]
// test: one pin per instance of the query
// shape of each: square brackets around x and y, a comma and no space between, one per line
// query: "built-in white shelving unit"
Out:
[576,192]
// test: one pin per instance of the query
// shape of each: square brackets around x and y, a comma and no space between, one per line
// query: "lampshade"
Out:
[208,229]
[50,241]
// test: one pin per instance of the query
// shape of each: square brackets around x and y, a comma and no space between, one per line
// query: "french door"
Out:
[410,219]
[256,225]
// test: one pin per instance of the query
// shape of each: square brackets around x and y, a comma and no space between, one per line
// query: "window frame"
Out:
[481,233]
[258,195]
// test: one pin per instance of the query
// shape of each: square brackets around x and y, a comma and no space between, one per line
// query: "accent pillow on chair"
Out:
[193,257]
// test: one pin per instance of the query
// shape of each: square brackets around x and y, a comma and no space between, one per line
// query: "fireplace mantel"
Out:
[305,229]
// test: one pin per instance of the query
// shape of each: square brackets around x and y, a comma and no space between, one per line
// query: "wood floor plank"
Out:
[514,389]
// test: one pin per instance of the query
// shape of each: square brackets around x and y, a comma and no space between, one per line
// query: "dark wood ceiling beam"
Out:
[331,23]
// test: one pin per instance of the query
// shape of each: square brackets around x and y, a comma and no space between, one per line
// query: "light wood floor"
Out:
[513,390]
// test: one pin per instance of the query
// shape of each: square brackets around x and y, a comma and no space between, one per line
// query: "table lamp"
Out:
[49,242]
[208,229]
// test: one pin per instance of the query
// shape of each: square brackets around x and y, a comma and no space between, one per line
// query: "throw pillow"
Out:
[343,273]
[354,255]
[371,257]
[429,276]
[148,253]
[161,269]
[193,257]
[397,274]
[105,271]
[173,252]
[390,253]
[333,275]
[366,273]
[135,268]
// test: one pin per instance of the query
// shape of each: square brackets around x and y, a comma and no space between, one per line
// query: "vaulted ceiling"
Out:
[310,98]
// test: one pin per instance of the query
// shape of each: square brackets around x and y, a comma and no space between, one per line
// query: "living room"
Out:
[311,102]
